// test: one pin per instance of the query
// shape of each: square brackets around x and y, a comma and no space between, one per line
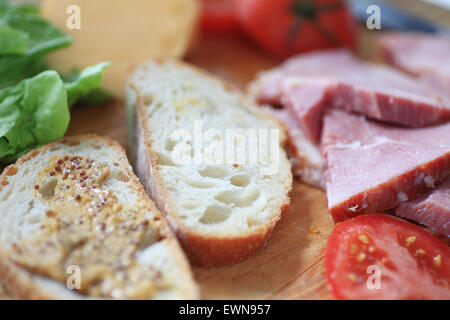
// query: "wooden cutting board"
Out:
[291,266]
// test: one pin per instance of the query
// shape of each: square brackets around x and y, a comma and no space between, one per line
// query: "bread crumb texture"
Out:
[222,195]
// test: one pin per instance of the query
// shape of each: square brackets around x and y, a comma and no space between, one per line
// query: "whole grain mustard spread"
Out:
[87,226]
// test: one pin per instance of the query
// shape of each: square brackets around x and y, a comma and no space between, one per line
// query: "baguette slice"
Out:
[74,207]
[221,211]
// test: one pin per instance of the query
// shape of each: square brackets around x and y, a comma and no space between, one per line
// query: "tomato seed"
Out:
[410,240]
[437,260]
[363,238]
[421,251]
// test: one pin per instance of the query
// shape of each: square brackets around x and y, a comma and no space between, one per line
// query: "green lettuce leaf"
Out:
[32,113]
[86,85]
[43,37]
[35,111]
[13,41]
[23,7]
[20,26]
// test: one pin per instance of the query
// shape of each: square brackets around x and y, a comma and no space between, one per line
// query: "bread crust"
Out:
[22,284]
[202,250]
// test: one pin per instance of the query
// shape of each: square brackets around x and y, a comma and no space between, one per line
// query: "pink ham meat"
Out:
[267,87]
[306,84]
[370,167]
[431,209]
[425,56]
[306,101]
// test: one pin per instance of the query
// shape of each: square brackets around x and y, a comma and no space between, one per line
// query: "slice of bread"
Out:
[221,206]
[76,224]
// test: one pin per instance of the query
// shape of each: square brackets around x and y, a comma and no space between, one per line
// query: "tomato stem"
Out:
[304,9]
[309,10]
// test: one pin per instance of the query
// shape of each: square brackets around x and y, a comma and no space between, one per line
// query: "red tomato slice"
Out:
[287,27]
[408,261]
[218,16]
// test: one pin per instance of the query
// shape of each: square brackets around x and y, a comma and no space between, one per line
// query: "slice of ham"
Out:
[426,56]
[305,156]
[308,83]
[267,87]
[431,209]
[306,102]
[370,167]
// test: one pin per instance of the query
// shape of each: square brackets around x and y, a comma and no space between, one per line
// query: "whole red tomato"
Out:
[218,16]
[287,27]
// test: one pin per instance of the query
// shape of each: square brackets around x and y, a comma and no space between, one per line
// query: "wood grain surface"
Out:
[291,265]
